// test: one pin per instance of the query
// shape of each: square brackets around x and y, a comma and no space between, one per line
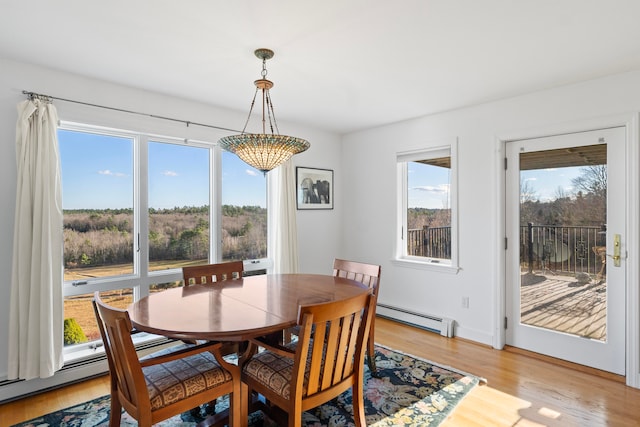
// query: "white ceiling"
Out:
[339,65]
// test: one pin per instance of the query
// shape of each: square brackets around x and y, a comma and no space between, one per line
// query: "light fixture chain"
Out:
[271,114]
[253,102]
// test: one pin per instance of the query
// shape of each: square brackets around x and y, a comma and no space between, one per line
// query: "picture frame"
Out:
[314,188]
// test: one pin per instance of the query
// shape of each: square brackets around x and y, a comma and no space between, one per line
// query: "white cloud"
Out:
[170,173]
[432,189]
[108,172]
[250,172]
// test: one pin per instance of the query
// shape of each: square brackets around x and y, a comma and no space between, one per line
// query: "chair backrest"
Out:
[211,273]
[368,274]
[331,347]
[126,372]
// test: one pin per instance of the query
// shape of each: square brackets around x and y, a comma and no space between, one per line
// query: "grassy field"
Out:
[79,307]
[122,269]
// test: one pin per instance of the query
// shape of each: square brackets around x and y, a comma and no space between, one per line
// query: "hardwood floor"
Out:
[43,403]
[522,390]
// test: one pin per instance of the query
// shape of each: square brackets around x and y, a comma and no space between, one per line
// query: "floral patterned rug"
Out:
[409,392]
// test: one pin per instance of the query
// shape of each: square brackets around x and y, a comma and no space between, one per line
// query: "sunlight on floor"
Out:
[514,412]
[538,417]
[549,413]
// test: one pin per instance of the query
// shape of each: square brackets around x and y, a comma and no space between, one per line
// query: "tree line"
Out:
[585,205]
[98,237]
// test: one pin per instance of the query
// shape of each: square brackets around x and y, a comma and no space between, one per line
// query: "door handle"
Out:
[616,250]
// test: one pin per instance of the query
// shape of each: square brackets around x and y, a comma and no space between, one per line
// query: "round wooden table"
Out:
[235,310]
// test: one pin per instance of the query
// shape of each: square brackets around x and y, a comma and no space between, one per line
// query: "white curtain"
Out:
[35,318]
[283,230]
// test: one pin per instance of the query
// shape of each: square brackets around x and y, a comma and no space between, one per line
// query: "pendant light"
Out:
[264,151]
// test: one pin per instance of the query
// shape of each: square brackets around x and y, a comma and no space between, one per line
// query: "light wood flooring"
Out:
[523,389]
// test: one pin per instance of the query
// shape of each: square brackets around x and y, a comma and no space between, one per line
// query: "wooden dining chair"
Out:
[165,384]
[327,360]
[368,274]
[212,273]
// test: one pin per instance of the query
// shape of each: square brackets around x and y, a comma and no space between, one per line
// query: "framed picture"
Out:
[314,188]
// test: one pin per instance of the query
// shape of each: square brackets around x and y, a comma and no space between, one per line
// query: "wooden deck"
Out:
[562,304]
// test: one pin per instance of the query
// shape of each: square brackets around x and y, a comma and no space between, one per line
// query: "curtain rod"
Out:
[32,95]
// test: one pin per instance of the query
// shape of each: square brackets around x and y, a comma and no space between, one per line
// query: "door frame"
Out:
[632,318]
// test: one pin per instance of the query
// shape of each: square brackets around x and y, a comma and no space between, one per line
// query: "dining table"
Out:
[238,309]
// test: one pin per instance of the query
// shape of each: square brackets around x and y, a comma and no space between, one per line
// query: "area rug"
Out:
[410,391]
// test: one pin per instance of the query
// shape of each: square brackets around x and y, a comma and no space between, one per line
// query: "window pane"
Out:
[244,210]
[429,208]
[179,203]
[79,318]
[97,199]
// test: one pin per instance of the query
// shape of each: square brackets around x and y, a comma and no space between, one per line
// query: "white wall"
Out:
[319,232]
[370,187]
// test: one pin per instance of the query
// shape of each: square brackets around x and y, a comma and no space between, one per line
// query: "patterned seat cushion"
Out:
[178,379]
[274,371]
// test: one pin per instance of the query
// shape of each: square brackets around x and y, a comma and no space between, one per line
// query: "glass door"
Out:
[565,264]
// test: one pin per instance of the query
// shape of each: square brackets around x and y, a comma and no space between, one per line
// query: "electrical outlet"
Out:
[465,302]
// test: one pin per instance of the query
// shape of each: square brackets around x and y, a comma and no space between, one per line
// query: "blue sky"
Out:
[428,186]
[546,182]
[97,173]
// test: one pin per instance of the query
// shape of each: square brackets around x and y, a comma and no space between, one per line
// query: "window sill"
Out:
[88,351]
[425,265]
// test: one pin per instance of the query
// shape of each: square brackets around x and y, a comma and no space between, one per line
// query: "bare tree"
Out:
[591,192]
[561,193]
[527,193]
[592,180]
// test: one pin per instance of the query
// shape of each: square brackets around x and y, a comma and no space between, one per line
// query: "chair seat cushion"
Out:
[274,371]
[271,370]
[178,379]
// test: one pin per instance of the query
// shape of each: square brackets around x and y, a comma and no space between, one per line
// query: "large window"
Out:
[97,198]
[427,207]
[138,207]
[179,205]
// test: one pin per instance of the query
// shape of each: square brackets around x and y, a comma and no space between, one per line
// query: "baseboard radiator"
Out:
[440,325]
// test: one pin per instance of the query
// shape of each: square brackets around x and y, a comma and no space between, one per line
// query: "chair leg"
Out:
[245,401]
[371,353]
[116,411]
[237,415]
[357,391]
[295,418]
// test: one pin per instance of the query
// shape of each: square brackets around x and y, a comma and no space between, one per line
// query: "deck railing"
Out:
[558,248]
[563,249]
[431,242]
